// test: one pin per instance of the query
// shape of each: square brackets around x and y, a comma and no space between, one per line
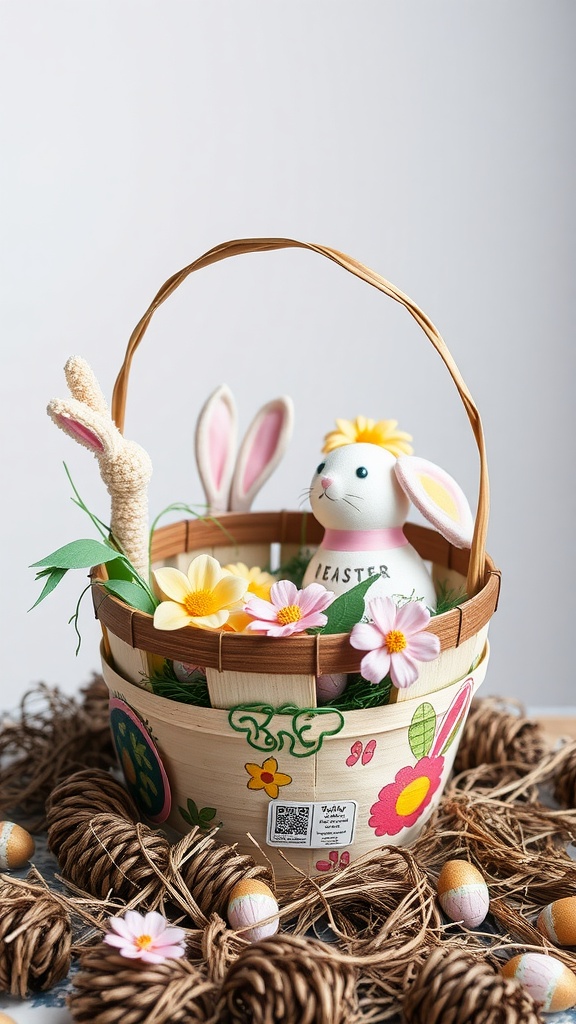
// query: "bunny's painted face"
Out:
[355,488]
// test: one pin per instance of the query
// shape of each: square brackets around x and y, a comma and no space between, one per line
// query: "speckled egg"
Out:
[16,846]
[463,893]
[546,979]
[251,901]
[558,921]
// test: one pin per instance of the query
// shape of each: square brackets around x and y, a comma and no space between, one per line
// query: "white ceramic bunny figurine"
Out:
[231,483]
[361,494]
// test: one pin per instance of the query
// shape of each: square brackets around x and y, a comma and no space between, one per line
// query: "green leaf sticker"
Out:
[80,554]
[348,609]
[422,730]
[131,593]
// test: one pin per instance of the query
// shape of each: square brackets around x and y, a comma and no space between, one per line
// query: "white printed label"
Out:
[327,823]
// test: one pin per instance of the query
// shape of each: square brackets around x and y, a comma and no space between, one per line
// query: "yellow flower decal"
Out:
[382,433]
[267,777]
[205,596]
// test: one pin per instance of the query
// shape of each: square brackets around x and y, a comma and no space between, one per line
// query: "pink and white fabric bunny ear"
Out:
[232,483]
[438,497]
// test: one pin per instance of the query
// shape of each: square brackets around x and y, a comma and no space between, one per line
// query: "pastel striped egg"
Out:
[463,893]
[547,980]
[16,846]
[558,921]
[251,901]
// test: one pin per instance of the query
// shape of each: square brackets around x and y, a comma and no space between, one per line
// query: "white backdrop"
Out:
[434,142]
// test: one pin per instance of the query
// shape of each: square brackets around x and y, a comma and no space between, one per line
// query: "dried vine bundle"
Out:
[497,731]
[211,869]
[109,989]
[217,947]
[459,988]
[52,736]
[289,980]
[35,938]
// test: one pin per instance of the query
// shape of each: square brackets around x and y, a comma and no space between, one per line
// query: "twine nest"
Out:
[53,737]
[35,938]
[496,732]
[289,980]
[564,779]
[456,988]
[109,989]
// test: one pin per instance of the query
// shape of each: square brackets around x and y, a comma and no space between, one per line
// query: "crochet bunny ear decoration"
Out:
[438,497]
[231,483]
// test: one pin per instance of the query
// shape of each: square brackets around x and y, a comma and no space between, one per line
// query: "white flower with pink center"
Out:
[396,641]
[145,937]
[289,610]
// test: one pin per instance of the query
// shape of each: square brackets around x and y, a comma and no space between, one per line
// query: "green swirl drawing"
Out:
[304,735]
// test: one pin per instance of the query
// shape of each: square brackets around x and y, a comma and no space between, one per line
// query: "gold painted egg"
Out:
[558,921]
[251,902]
[463,893]
[546,979]
[16,846]
[5,1019]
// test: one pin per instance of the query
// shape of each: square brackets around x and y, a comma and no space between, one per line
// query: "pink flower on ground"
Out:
[145,937]
[289,610]
[396,641]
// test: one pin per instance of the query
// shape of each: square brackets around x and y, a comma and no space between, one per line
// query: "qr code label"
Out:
[311,825]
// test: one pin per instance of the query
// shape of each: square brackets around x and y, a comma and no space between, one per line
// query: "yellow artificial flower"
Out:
[267,777]
[259,582]
[205,596]
[383,433]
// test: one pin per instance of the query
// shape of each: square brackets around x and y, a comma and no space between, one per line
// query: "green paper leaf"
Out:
[422,729]
[132,593]
[118,569]
[207,813]
[348,609]
[80,554]
[54,577]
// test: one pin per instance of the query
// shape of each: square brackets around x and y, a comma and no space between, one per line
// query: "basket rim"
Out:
[298,654]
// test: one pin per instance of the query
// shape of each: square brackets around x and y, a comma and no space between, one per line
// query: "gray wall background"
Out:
[434,142]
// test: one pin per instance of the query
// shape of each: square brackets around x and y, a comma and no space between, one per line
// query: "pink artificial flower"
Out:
[289,610]
[145,937]
[396,641]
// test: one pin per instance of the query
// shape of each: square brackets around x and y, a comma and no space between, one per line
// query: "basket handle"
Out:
[476,569]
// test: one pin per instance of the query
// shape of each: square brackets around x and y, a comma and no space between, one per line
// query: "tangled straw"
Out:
[35,938]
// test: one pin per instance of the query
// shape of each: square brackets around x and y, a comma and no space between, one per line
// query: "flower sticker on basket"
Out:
[401,803]
[335,861]
[382,433]
[289,610]
[205,596]
[147,937]
[267,777]
[141,764]
[396,641]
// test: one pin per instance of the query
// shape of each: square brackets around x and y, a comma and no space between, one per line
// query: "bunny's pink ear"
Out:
[438,497]
[216,447]
[79,432]
[266,441]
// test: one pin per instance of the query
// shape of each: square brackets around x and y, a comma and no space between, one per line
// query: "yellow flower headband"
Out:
[382,433]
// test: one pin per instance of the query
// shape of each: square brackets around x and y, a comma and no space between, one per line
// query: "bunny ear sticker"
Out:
[216,447]
[264,445]
[438,497]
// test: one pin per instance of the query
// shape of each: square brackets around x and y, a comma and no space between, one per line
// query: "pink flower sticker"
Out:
[145,937]
[401,803]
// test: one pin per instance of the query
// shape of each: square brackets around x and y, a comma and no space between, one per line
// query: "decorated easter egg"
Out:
[463,893]
[5,1019]
[546,979]
[251,901]
[328,687]
[16,846]
[558,921]
[184,672]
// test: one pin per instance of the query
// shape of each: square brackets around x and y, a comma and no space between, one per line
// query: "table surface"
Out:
[50,1007]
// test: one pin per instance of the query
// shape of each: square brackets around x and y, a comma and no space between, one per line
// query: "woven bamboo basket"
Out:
[331,785]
